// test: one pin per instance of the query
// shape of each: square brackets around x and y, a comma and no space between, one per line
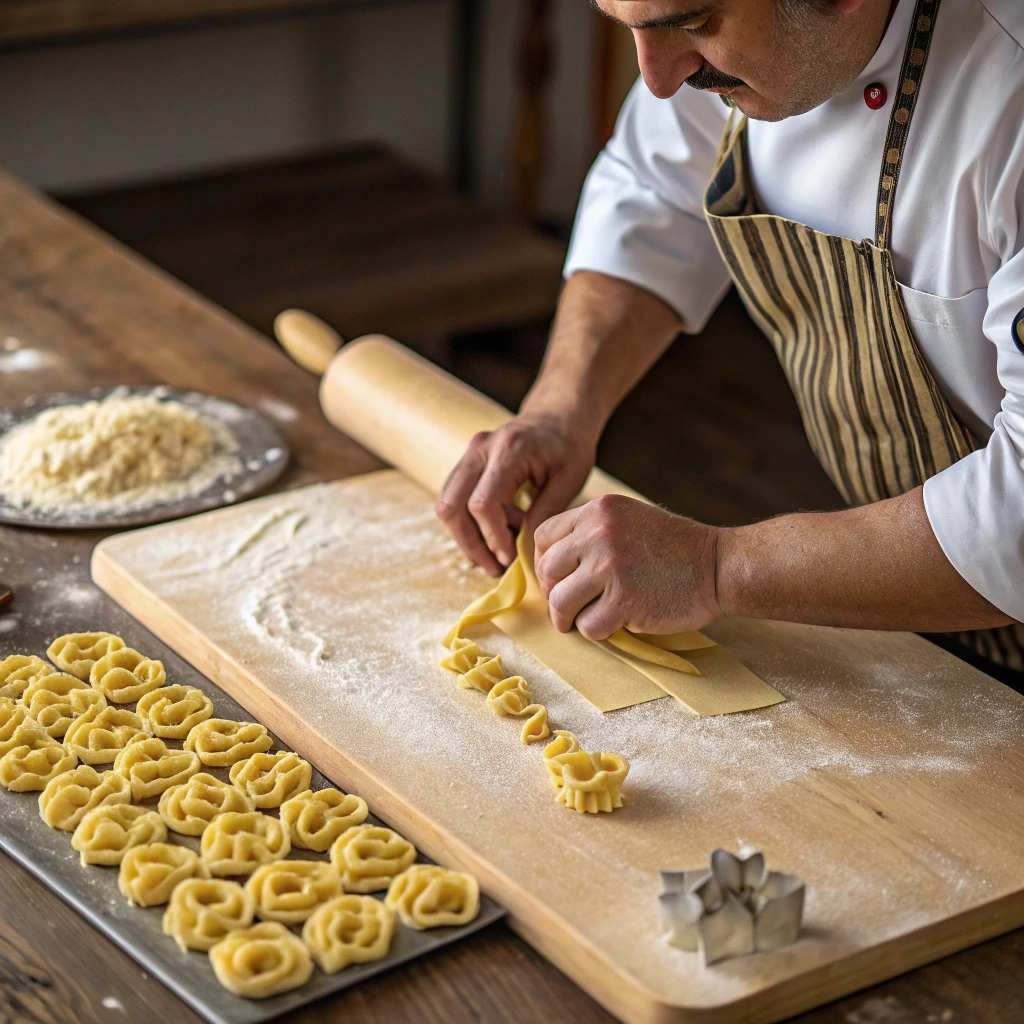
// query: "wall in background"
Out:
[122,111]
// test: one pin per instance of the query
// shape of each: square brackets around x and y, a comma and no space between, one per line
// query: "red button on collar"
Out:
[875,95]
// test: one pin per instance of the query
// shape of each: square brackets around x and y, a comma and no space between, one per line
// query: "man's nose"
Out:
[666,60]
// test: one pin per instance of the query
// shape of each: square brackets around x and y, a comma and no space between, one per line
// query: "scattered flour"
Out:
[335,598]
[27,360]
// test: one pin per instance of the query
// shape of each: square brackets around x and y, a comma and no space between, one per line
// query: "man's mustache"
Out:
[711,78]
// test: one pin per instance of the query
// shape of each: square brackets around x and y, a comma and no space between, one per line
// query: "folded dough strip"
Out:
[642,670]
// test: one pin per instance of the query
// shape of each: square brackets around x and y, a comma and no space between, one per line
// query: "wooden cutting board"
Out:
[891,781]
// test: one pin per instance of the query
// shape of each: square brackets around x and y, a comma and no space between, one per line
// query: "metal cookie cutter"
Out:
[735,908]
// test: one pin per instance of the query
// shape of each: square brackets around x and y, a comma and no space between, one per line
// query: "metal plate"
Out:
[262,457]
[53,595]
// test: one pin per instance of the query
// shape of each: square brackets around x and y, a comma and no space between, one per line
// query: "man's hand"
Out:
[619,562]
[606,334]
[476,502]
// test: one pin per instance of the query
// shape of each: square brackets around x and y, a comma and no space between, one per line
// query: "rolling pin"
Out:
[404,409]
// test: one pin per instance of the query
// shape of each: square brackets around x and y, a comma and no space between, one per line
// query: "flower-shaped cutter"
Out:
[735,908]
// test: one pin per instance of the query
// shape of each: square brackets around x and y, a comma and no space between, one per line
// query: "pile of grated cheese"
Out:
[118,454]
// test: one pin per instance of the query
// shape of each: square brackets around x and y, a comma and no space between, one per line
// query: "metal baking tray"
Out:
[50,600]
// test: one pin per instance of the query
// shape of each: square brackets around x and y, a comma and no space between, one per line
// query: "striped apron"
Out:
[832,309]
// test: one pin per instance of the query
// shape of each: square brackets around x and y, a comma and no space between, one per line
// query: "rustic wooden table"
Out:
[78,310]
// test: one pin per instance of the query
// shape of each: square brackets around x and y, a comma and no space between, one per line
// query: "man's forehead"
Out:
[656,13]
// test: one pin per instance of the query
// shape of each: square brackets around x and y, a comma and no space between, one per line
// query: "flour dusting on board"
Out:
[336,596]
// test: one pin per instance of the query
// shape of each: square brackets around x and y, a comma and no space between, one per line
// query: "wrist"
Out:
[563,413]
[731,570]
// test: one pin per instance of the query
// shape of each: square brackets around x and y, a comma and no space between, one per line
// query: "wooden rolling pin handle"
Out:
[307,339]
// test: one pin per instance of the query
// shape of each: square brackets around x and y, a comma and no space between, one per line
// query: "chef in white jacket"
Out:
[862,185]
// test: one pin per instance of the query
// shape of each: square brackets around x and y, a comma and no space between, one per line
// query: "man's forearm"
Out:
[607,334]
[875,567]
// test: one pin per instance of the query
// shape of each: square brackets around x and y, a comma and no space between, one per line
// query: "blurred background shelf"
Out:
[358,236]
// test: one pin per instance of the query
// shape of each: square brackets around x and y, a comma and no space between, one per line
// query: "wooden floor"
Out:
[370,244]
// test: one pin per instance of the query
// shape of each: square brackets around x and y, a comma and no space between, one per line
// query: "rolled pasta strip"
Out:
[462,656]
[511,697]
[485,674]
[508,592]
[564,742]
[536,727]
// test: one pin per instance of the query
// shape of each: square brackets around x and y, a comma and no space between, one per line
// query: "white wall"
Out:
[122,111]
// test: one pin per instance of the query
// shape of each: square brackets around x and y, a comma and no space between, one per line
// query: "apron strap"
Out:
[914,60]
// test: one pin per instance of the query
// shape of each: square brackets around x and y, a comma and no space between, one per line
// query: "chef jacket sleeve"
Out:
[640,217]
[976,507]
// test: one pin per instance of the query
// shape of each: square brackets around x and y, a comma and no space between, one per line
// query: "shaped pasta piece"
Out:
[463,655]
[124,675]
[107,833]
[20,671]
[591,782]
[349,930]
[238,843]
[153,769]
[564,742]
[511,697]
[315,820]
[172,711]
[261,961]
[484,675]
[428,896]
[32,767]
[220,742]
[149,873]
[290,890]
[536,727]
[11,716]
[190,807]
[78,652]
[368,856]
[270,779]
[57,699]
[101,733]
[70,796]
[17,728]
[202,911]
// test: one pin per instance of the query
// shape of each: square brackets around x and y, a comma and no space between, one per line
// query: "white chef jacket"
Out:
[957,237]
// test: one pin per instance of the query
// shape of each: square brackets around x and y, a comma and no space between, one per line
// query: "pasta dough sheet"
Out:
[611,679]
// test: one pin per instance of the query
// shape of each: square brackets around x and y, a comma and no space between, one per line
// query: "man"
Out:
[871,215]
